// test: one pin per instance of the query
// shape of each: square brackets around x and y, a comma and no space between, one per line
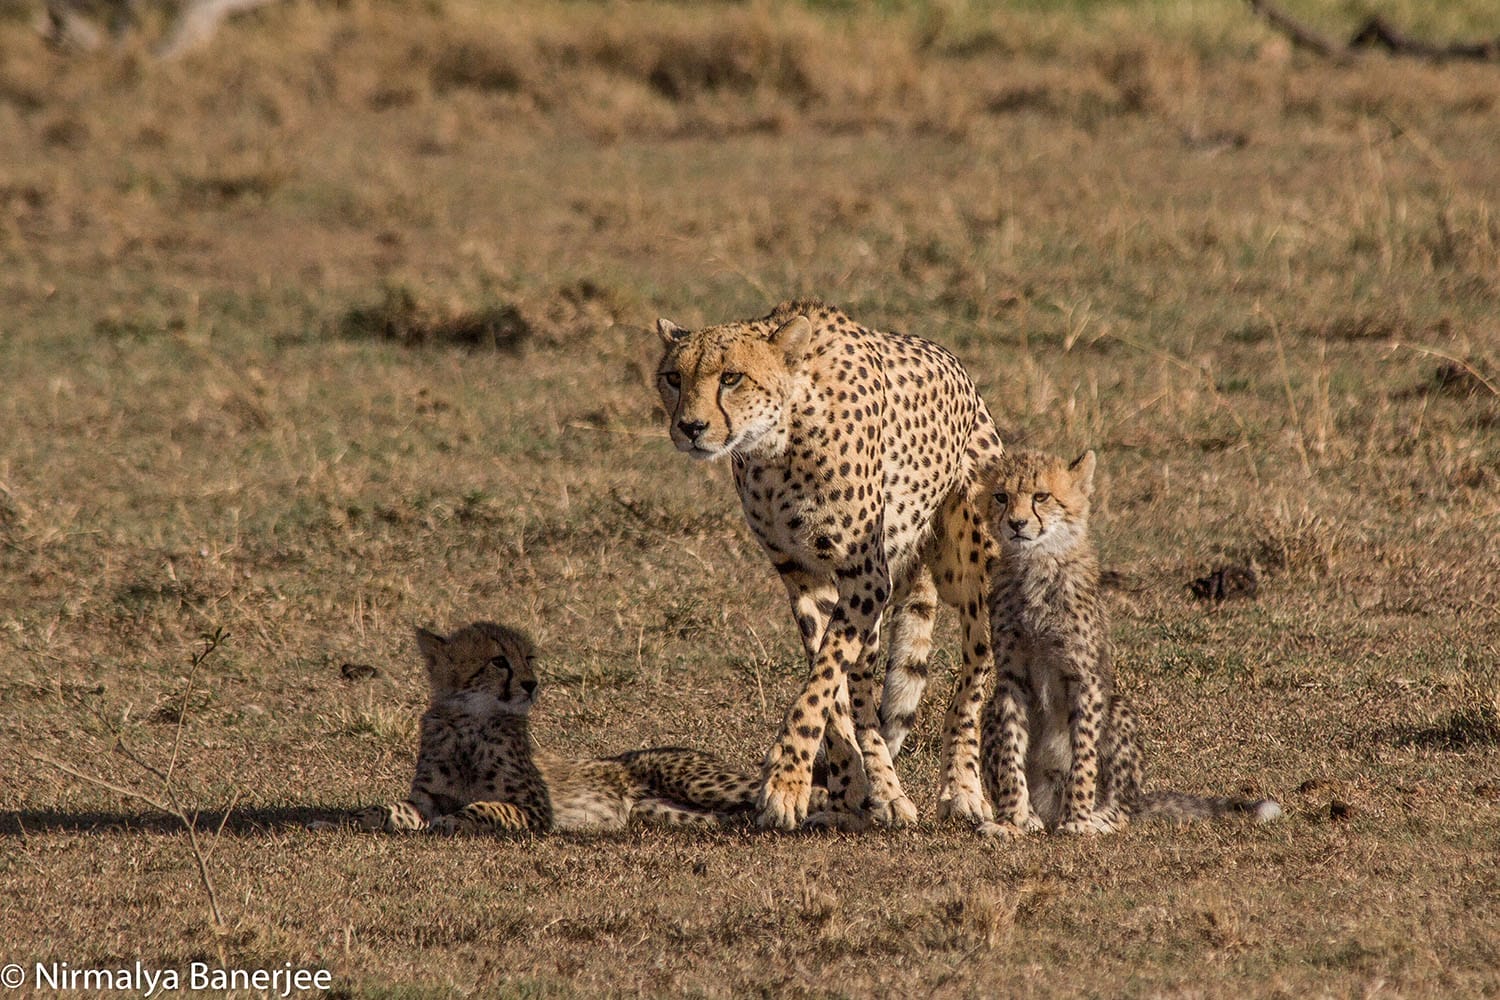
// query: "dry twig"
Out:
[166,801]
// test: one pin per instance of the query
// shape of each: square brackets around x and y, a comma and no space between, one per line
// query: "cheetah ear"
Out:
[792,338]
[431,645]
[669,332]
[1083,471]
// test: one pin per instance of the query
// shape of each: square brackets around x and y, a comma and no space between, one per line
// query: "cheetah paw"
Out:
[1087,827]
[375,819]
[991,830]
[783,803]
[449,826]
[896,813]
[964,806]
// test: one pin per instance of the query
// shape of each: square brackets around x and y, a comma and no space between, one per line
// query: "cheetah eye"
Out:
[731,379]
[501,662]
[1042,497]
[672,379]
[1003,499]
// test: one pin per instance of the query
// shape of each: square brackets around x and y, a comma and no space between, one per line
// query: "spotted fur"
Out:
[1061,749]
[478,769]
[854,454]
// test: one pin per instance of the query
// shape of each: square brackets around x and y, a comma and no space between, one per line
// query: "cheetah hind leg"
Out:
[664,812]
[1120,768]
[906,668]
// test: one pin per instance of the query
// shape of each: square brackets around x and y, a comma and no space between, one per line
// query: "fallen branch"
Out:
[1376,32]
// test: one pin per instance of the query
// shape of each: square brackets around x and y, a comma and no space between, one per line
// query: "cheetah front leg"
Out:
[1084,723]
[398,817]
[412,816]
[480,817]
[813,601]
[788,768]
[1006,742]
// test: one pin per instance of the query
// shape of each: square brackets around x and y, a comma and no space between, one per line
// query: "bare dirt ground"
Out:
[341,326]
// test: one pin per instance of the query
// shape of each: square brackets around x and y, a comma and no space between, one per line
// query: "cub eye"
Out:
[1043,497]
[1003,499]
[672,379]
[731,379]
[501,662]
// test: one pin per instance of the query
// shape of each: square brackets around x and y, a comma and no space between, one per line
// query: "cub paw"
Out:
[373,819]
[399,818]
[451,826]
[1089,826]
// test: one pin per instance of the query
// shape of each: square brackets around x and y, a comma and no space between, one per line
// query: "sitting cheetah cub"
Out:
[477,768]
[1058,742]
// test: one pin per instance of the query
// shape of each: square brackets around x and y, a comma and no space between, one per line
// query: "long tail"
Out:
[1179,806]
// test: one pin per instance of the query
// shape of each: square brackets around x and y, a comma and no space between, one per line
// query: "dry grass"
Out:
[342,327]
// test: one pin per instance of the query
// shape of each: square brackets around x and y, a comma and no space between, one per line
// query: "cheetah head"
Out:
[726,387]
[482,663]
[1038,502]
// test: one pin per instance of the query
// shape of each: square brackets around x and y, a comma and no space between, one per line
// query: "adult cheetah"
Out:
[855,455]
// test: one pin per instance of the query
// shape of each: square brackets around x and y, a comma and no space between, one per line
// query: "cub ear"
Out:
[669,332]
[431,645]
[792,339]
[1083,470]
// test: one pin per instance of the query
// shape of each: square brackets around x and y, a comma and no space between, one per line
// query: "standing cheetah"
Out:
[477,768]
[1060,750]
[854,454]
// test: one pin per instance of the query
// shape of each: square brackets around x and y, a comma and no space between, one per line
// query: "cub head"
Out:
[482,660]
[1038,502]
[726,388]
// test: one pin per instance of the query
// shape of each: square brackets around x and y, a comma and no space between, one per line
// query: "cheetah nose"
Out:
[1016,526]
[692,428]
[529,687]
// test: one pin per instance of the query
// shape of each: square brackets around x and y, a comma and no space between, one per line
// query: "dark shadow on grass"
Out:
[401,317]
[1460,730]
[241,822]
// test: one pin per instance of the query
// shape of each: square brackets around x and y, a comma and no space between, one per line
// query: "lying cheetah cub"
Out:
[1059,744]
[477,768]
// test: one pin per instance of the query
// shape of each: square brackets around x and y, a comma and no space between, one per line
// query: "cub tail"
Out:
[1182,807]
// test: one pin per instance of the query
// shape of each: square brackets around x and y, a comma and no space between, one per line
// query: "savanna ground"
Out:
[341,326]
